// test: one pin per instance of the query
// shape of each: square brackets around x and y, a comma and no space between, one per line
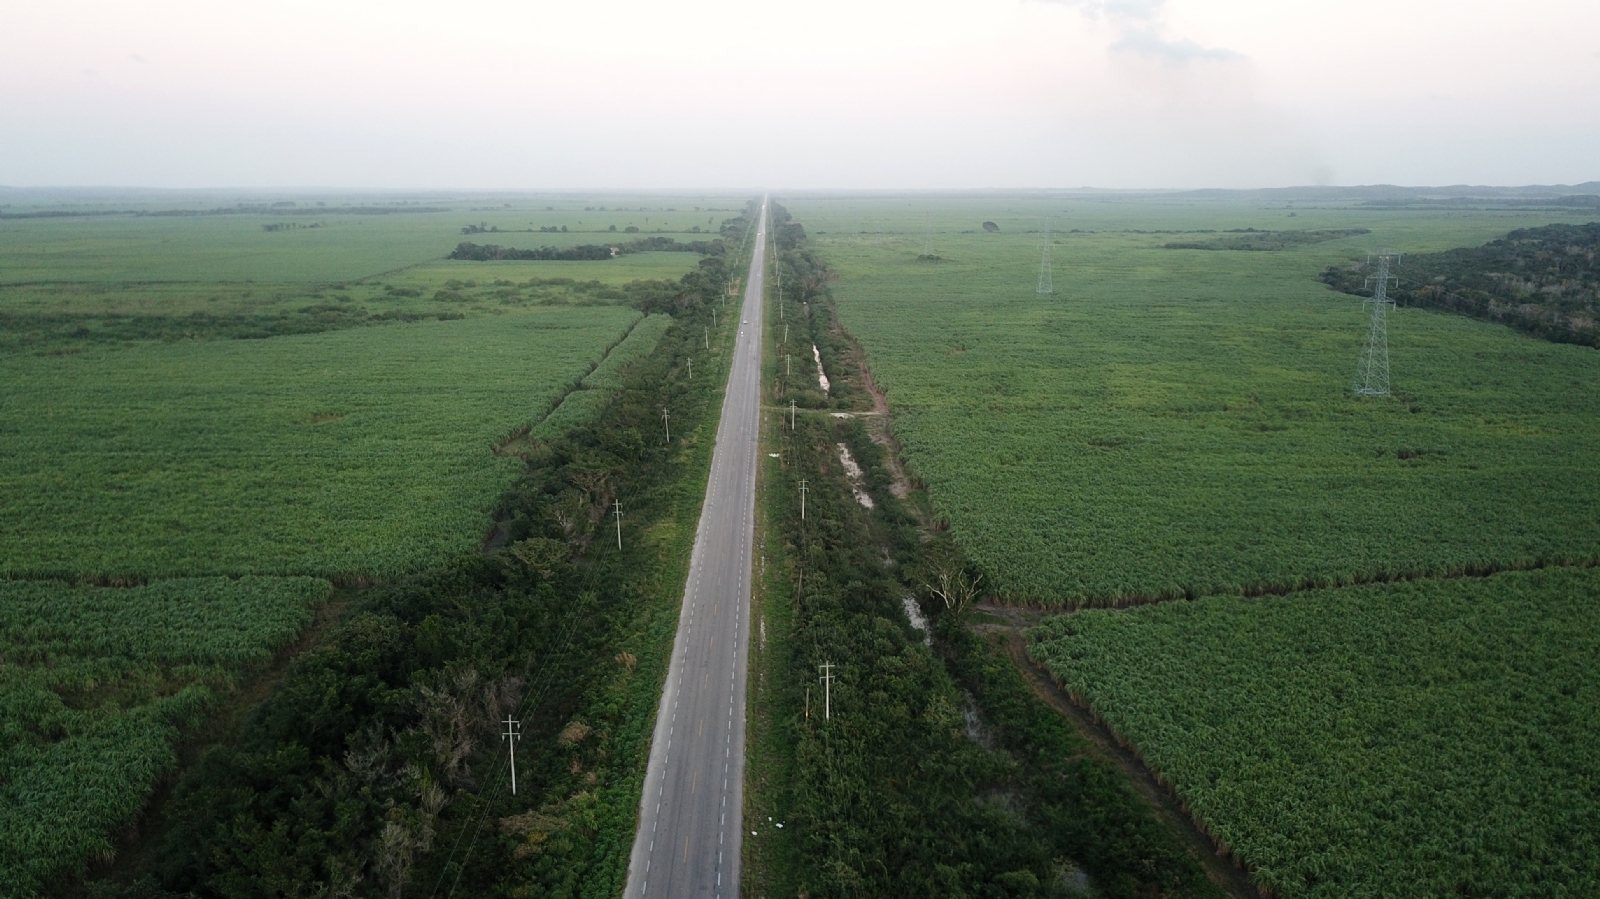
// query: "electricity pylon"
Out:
[1045,286]
[1372,372]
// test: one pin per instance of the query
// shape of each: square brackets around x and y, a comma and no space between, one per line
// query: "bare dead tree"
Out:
[948,580]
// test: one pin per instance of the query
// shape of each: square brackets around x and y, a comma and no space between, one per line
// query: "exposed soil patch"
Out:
[1222,871]
[878,429]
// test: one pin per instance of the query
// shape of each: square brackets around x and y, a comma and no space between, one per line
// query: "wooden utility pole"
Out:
[513,733]
[827,690]
[802,504]
[619,524]
[791,415]
[666,422]
[691,369]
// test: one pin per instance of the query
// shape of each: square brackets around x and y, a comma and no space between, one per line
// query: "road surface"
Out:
[691,811]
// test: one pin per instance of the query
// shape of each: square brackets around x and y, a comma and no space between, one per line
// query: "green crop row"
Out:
[96,687]
[347,454]
[204,621]
[1430,738]
[1180,422]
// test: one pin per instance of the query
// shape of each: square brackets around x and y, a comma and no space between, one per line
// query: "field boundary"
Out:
[1221,865]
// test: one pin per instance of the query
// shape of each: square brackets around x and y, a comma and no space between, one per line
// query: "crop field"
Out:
[354,454]
[145,441]
[95,686]
[1432,738]
[224,405]
[1173,422]
[225,238]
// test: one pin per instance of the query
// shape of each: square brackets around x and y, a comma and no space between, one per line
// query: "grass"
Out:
[1432,738]
[1179,422]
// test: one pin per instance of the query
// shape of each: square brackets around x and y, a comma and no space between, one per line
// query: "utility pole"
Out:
[713,318]
[513,733]
[691,369]
[619,524]
[791,415]
[788,365]
[786,335]
[1372,372]
[708,338]
[827,690]
[802,500]
[666,422]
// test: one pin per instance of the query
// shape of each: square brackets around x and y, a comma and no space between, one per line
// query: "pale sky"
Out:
[827,93]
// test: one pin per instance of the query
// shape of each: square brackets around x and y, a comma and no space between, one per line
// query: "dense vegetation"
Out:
[484,253]
[1180,423]
[1431,738]
[376,767]
[96,688]
[938,773]
[910,789]
[1251,239]
[1545,281]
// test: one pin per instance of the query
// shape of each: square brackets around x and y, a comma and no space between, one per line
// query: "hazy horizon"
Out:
[711,95]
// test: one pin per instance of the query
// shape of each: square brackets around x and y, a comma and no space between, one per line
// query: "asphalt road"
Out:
[691,811]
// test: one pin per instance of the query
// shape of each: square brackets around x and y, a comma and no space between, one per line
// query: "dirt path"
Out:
[878,429]
[1221,870]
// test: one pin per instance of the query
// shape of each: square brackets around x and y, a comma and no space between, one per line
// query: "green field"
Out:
[1180,422]
[1434,738]
[96,686]
[359,453]
[144,440]
[193,402]
[1173,423]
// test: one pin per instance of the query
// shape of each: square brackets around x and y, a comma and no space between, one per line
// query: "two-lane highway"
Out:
[691,812]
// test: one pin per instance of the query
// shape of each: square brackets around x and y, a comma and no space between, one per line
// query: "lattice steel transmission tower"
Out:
[1045,285]
[1372,372]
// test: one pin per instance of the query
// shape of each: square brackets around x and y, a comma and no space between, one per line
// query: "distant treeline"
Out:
[490,252]
[1251,239]
[18,330]
[1544,281]
[274,209]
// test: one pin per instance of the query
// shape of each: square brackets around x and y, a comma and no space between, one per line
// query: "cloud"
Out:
[1178,52]
[1141,23]
[1120,11]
